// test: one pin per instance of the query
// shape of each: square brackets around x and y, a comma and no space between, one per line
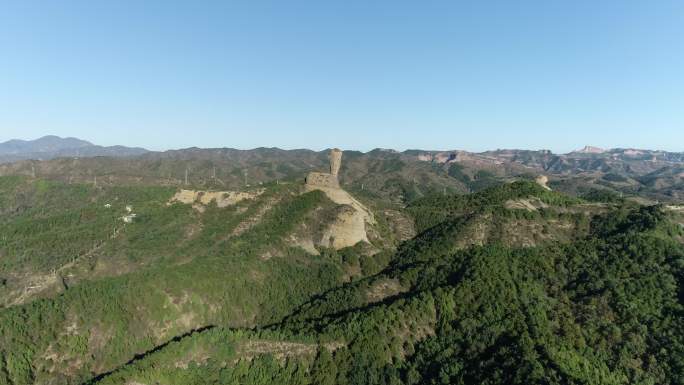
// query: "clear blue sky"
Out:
[361,74]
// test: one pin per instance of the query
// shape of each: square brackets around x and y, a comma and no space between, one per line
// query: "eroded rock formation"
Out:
[222,198]
[542,180]
[350,226]
[323,179]
[335,161]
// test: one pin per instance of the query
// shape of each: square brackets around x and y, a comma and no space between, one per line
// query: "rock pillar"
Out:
[335,161]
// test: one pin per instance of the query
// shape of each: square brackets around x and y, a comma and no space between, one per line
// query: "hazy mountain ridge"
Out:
[656,174]
[50,147]
[384,172]
[48,143]
[547,159]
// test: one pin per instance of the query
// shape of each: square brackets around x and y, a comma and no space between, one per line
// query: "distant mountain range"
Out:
[50,147]
[406,175]
[587,159]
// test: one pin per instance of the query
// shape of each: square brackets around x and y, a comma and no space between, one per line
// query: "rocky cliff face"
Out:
[349,228]
[322,179]
[591,150]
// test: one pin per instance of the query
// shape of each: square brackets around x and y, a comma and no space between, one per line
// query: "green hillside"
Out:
[605,309]
[514,284]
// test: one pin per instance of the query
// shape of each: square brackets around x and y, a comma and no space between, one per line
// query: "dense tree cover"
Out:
[137,312]
[46,223]
[434,209]
[205,280]
[481,179]
[603,307]
[603,195]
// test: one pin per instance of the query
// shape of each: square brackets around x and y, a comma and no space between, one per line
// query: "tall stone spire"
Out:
[335,161]
[324,179]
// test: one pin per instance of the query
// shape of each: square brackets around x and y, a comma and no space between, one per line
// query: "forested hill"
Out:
[604,309]
[512,285]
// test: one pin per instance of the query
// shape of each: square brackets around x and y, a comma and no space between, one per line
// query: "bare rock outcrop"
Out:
[222,198]
[591,150]
[542,180]
[323,179]
[335,161]
[349,228]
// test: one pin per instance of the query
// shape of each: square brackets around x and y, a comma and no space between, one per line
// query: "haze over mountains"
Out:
[403,175]
[50,147]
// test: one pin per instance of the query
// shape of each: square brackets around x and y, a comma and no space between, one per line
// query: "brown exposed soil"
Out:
[383,289]
[222,198]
